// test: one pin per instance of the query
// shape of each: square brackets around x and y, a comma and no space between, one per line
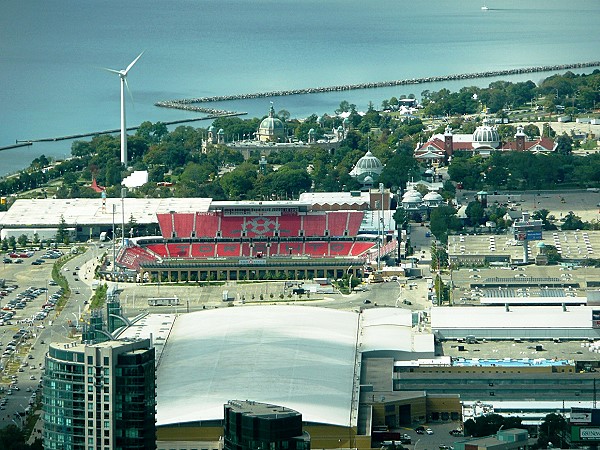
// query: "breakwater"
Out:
[17,145]
[22,143]
[188,104]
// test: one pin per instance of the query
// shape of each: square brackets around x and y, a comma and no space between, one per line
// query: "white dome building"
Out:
[271,129]
[433,200]
[412,200]
[367,169]
[486,136]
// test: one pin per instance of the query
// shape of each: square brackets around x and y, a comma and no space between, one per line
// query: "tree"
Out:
[553,430]
[61,233]
[239,183]
[13,438]
[490,424]
[442,219]
[4,245]
[564,144]
[22,240]
[401,218]
[554,257]
[542,214]
[442,291]
[12,243]
[439,257]
[344,107]
[475,213]
[572,222]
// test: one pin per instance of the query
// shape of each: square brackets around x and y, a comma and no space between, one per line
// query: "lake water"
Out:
[52,54]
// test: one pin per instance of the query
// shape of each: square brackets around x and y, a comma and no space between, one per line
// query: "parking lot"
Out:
[27,300]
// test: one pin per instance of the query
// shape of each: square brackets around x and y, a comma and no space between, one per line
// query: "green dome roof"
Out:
[270,123]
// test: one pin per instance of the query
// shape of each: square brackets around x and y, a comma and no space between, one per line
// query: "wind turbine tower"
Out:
[123,76]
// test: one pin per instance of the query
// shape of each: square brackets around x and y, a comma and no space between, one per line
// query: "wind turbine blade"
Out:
[129,92]
[112,70]
[133,62]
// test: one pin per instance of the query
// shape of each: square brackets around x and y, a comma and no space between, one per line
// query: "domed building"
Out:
[271,129]
[486,136]
[412,200]
[367,169]
[485,139]
[433,199]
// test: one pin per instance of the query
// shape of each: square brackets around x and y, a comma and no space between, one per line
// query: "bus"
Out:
[163,301]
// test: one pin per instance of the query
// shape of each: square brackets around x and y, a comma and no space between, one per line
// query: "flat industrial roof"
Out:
[156,327]
[494,317]
[90,211]
[390,329]
[295,356]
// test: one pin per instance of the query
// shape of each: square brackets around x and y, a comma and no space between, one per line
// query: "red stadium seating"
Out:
[178,250]
[245,249]
[203,250]
[132,257]
[159,249]
[316,248]
[289,226]
[232,226]
[314,225]
[290,248]
[259,226]
[165,221]
[207,224]
[230,249]
[183,224]
[354,222]
[340,248]
[260,248]
[361,247]
[337,222]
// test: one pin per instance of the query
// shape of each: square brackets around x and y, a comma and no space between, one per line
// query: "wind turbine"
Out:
[123,75]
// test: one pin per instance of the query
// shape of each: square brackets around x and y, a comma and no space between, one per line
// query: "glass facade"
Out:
[99,396]
[252,426]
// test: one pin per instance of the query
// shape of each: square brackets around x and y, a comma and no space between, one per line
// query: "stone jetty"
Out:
[188,104]
[21,143]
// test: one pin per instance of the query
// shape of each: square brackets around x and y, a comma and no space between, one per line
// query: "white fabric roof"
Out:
[486,317]
[298,357]
[89,211]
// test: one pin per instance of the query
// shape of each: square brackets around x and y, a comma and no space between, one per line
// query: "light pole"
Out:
[381,190]
[113,242]
[349,280]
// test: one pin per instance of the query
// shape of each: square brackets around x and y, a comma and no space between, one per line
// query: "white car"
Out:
[429,431]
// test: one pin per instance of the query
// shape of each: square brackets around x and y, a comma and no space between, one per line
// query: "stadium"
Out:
[235,241]
[198,239]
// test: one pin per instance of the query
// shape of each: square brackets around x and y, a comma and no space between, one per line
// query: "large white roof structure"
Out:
[514,322]
[515,317]
[89,211]
[300,357]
